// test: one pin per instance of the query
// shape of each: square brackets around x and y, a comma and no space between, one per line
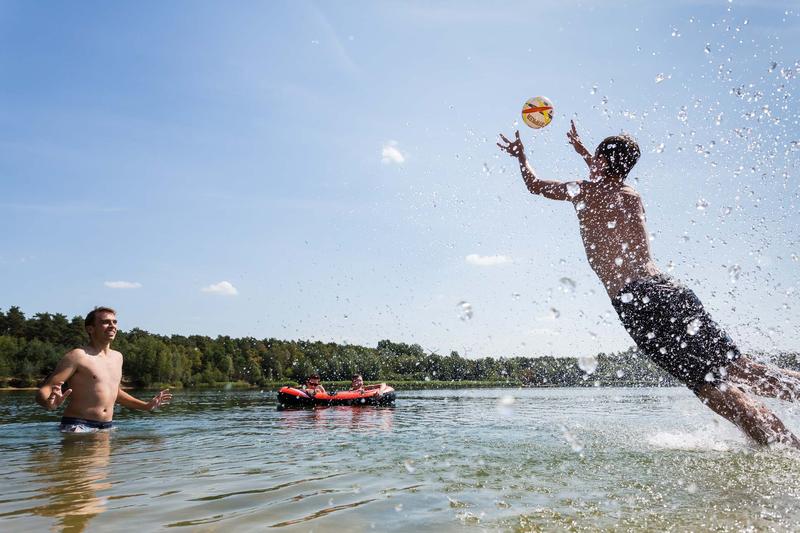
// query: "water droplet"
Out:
[612,224]
[567,284]
[660,148]
[554,313]
[734,271]
[409,464]
[651,335]
[709,377]
[675,32]
[587,363]
[661,77]
[398,507]
[702,204]
[707,49]
[516,295]
[593,90]
[573,189]
[694,326]
[645,299]
[620,373]
[464,310]
[580,206]
[683,114]
[626,297]
[618,261]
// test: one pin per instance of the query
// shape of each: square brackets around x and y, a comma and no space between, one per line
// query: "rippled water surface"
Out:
[453,460]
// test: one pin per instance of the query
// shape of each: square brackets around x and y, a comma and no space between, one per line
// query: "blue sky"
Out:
[328,170]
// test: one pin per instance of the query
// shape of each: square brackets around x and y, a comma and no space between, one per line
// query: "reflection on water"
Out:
[68,476]
[353,419]
[509,460]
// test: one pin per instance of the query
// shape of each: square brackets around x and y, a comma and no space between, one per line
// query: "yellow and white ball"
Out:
[537,112]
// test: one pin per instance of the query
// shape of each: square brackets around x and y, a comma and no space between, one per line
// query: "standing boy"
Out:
[665,319]
[94,373]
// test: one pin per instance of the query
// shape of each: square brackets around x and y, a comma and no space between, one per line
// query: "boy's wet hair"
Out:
[621,153]
[89,320]
[314,376]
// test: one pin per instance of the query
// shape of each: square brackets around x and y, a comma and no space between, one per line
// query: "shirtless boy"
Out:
[94,373]
[664,318]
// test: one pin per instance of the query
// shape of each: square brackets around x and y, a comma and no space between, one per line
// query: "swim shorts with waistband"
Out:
[71,424]
[669,324]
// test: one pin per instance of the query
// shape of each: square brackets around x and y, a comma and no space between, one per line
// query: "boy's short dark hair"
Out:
[357,376]
[314,376]
[89,320]
[621,153]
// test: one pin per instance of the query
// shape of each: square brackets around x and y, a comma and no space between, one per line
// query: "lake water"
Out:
[452,460]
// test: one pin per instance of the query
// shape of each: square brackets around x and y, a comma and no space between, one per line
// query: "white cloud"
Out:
[391,154]
[487,260]
[224,288]
[122,284]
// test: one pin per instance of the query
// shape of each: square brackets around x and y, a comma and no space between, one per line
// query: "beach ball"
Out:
[537,112]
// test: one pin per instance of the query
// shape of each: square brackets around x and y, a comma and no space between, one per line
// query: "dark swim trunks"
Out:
[669,325]
[81,425]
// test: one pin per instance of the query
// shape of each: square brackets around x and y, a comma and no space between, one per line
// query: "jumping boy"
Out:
[665,319]
[94,373]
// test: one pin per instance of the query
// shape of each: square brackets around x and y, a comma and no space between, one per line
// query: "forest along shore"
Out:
[31,347]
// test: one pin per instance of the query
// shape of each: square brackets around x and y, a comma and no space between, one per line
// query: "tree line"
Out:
[31,347]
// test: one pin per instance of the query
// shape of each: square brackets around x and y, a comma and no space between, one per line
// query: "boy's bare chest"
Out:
[99,369]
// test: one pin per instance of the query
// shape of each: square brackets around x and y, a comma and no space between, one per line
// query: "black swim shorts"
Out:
[669,325]
[71,424]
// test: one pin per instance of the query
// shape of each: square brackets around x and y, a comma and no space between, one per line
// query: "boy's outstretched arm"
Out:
[575,141]
[554,190]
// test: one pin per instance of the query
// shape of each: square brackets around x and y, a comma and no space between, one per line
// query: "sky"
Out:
[328,170]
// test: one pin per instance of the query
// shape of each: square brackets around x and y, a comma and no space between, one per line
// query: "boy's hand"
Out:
[162,398]
[515,149]
[575,141]
[56,397]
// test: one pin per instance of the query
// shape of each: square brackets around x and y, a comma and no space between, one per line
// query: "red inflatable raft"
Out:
[292,397]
